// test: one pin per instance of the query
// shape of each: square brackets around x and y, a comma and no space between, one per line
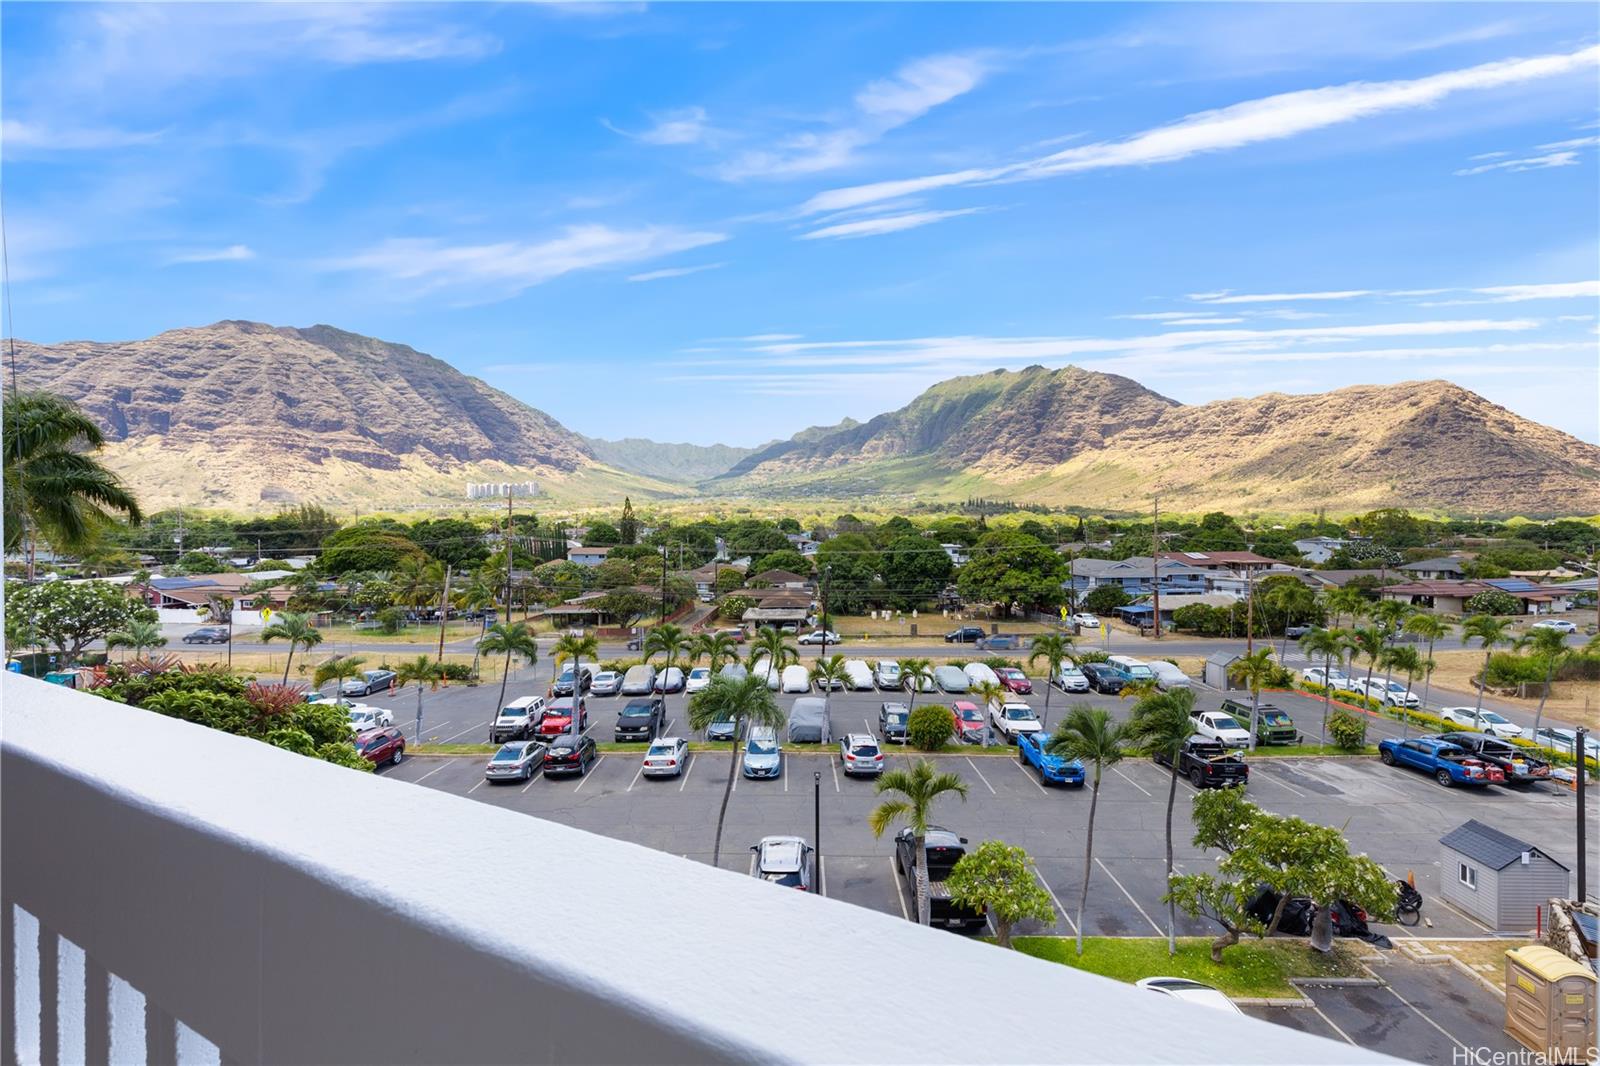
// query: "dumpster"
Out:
[1550,1003]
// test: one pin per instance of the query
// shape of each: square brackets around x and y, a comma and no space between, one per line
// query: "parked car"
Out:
[1518,764]
[369,682]
[763,755]
[1102,678]
[558,717]
[819,636]
[1190,992]
[639,719]
[571,753]
[1207,763]
[606,683]
[1168,676]
[698,679]
[943,849]
[1560,625]
[1296,632]
[670,680]
[733,671]
[979,674]
[796,679]
[927,684]
[1391,693]
[735,634]
[1052,768]
[1318,675]
[859,754]
[1481,721]
[517,719]
[1086,620]
[562,685]
[363,718]
[640,680]
[1221,727]
[970,726]
[1273,726]
[721,729]
[1001,642]
[784,861]
[1012,719]
[886,675]
[385,744]
[892,718]
[1449,764]
[515,761]
[1070,679]
[1130,669]
[964,635]
[950,679]
[858,676]
[207,635]
[1015,680]
[1566,740]
[666,758]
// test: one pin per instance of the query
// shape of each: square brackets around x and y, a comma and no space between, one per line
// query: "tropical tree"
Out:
[1347,601]
[773,645]
[1491,632]
[1295,600]
[338,669]
[915,791]
[669,641]
[53,488]
[1408,662]
[1054,648]
[1253,671]
[424,672]
[1551,645]
[993,697]
[138,635]
[717,649]
[297,630]
[999,879]
[1368,642]
[914,674]
[1089,735]
[1429,627]
[514,640]
[478,594]
[827,673]
[417,581]
[1160,725]
[1330,644]
[740,701]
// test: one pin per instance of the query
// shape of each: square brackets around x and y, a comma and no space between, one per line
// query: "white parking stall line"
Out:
[899,891]
[735,786]
[1281,784]
[463,733]
[585,779]
[979,772]
[1331,1025]
[529,785]
[868,725]
[752,864]
[663,732]
[1425,1018]
[822,876]
[1125,892]
[636,775]
[1053,898]
[835,768]
[1132,782]
[1023,770]
[475,788]
[687,770]
[442,764]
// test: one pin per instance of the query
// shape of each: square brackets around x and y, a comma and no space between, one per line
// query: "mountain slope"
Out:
[687,463]
[1072,436]
[238,414]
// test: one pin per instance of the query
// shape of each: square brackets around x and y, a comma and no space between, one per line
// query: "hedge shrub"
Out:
[930,726]
[1348,730]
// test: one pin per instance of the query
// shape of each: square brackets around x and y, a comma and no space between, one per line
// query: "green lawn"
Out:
[1253,968]
[1279,750]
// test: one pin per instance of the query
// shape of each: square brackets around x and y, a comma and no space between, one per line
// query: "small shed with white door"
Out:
[1499,880]
[1216,672]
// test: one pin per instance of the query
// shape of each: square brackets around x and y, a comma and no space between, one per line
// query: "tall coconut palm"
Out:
[423,672]
[1347,601]
[1429,627]
[1551,645]
[297,630]
[914,674]
[416,582]
[745,701]
[669,641]
[829,673]
[1254,671]
[1408,662]
[138,636]
[1491,632]
[993,697]
[513,639]
[1330,644]
[575,648]
[1295,601]
[717,649]
[915,791]
[774,646]
[338,669]
[1367,642]
[478,594]
[1089,735]
[1160,725]
[53,488]
[1054,648]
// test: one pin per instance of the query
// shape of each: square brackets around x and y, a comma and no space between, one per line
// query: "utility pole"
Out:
[816,808]
[1582,770]
[1155,564]
[444,610]
[664,585]
[1249,609]
[827,574]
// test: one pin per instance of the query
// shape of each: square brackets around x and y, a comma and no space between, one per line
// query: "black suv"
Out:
[207,635]
[570,754]
[965,635]
[562,685]
[640,719]
[1102,678]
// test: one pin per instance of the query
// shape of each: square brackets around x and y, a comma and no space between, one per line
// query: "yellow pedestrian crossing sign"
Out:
[1063,614]
[266,614]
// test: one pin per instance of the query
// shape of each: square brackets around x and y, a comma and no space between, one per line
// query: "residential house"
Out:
[1139,614]
[957,552]
[1136,576]
[1450,597]
[1444,568]
[1319,549]
[704,577]
[1240,562]
[1338,579]
[1503,882]
[802,543]
[787,579]
[587,556]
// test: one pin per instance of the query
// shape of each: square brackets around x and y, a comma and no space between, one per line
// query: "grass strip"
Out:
[1250,969]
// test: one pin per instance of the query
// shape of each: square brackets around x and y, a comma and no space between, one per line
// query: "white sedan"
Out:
[1392,693]
[1482,721]
[363,717]
[1086,620]
[1560,625]
[699,678]
[1318,676]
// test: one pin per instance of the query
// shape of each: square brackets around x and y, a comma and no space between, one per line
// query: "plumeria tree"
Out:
[999,878]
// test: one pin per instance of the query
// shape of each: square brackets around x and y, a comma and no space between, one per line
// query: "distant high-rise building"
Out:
[484,490]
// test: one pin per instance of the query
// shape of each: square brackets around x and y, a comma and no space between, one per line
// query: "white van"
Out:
[858,675]
[796,679]
[979,674]
[639,680]
[1130,669]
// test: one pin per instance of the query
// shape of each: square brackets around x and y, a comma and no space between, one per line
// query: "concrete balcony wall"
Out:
[262,907]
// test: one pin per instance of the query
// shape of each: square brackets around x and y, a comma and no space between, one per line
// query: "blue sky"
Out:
[727,222]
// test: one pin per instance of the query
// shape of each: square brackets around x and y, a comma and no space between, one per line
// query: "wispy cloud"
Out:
[873,227]
[1488,294]
[1516,166]
[1240,125]
[684,125]
[1225,297]
[675,272]
[1555,291]
[233,253]
[17,134]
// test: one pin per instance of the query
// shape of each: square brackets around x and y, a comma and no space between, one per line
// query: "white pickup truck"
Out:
[1221,726]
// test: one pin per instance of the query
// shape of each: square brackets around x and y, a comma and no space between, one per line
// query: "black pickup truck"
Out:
[1206,762]
[944,850]
[1521,767]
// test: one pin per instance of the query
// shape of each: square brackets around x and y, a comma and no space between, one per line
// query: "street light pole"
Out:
[1583,845]
[816,779]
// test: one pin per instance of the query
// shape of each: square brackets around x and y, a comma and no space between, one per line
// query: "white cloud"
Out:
[1275,297]
[1251,122]
[233,253]
[872,227]
[674,272]
[684,125]
[1556,291]
[17,134]
[1576,142]
[1517,166]
[1490,294]
[509,267]
[919,87]
[756,338]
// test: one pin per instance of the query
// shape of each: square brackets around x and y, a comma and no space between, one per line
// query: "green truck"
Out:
[1273,725]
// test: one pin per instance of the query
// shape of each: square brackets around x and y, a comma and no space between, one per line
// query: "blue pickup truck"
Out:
[1450,764]
[1030,752]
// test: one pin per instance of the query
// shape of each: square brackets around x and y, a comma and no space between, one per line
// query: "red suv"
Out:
[383,745]
[558,717]
[1015,680]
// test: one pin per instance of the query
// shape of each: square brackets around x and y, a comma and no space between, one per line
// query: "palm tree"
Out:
[827,673]
[1491,632]
[914,673]
[338,669]
[1429,627]
[774,646]
[1328,643]
[297,630]
[1407,662]
[478,595]
[1053,648]
[1552,644]
[424,671]
[514,639]
[1368,642]
[1160,725]
[138,636]
[1089,735]
[745,700]
[717,649]
[915,789]
[1347,601]
[417,582]
[574,647]
[993,697]
[668,640]
[52,487]
[1293,599]
[1254,670]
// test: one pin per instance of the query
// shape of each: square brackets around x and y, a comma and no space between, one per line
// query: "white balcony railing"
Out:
[176,894]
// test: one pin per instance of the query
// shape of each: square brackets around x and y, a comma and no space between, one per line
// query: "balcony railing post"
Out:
[49,996]
[160,1036]
[8,980]
[96,1013]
